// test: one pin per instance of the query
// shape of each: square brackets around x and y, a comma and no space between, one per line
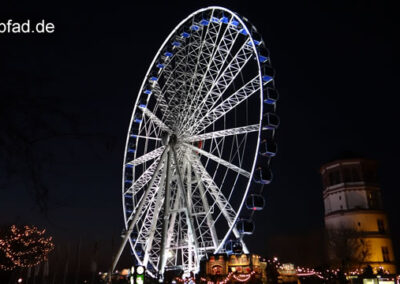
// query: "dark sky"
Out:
[336,70]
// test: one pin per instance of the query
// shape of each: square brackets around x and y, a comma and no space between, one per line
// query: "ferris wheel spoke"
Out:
[147,157]
[213,48]
[161,102]
[223,81]
[208,217]
[147,137]
[204,177]
[226,105]
[144,178]
[224,133]
[154,180]
[148,129]
[203,52]
[226,209]
[139,210]
[187,71]
[200,210]
[148,212]
[156,121]
[153,218]
[218,60]
[219,160]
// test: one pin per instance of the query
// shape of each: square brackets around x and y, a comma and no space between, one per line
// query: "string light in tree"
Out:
[24,247]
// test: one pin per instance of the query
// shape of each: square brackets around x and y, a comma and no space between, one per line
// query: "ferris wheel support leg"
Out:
[210,221]
[188,213]
[159,202]
[173,219]
[135,218]
[163,257]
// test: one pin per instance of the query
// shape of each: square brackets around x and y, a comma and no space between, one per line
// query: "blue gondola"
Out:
[168,54]
[262,175]
[255,202]
[129,156]
[256,42]
[224,20]
[194,27]
[139,250]
[204,22]
[134,130]
[270,121]
[233,247]
[268,72]
[128,207]
[235,23]
[128,174]
[266,79]
[138,117]
[245,226]
[262,58]
[153,79]
[215,20]
[271,96]
[268,148]
[133,236]
[127,183]
[143,101]
[185,35]
[131,148]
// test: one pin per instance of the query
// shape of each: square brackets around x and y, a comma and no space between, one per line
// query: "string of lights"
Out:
[327,274]
[24,247]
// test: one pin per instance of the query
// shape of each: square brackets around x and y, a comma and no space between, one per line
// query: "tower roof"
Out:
[346,156]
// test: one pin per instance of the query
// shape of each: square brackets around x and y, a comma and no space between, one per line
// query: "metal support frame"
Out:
[134,220]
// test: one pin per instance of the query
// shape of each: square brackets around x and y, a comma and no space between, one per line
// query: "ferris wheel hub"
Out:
[173,139]
[169,139]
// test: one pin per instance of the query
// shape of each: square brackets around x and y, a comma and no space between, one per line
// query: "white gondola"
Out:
[271,95]
[270,121]
[262,175]
[245,226]
[268,148]
[255,202]
[233,247]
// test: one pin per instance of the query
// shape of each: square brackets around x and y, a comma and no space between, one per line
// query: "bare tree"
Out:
[347,249]
[29,121]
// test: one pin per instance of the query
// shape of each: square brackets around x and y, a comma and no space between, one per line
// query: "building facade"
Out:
[357,226]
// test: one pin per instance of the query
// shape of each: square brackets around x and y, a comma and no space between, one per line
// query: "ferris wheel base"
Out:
[234,267]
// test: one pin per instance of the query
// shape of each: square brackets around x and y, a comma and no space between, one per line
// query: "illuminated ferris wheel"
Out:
[200,143]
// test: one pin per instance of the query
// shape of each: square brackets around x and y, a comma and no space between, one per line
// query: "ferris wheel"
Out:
[200,143]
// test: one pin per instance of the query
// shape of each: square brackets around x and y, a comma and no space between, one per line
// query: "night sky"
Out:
[72,93]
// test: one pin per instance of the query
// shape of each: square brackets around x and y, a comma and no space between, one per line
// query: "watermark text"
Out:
[26,27]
